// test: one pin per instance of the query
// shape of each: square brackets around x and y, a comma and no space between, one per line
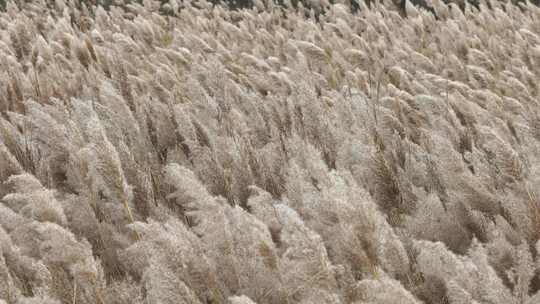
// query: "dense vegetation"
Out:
[190,153]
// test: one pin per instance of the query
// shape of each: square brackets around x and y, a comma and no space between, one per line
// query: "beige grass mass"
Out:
[194,154]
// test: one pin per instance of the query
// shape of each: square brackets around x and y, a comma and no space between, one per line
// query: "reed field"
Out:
[187,152]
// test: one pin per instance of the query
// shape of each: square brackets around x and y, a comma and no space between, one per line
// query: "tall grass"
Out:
[270,154]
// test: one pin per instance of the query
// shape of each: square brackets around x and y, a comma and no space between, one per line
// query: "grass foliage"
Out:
[261,156]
